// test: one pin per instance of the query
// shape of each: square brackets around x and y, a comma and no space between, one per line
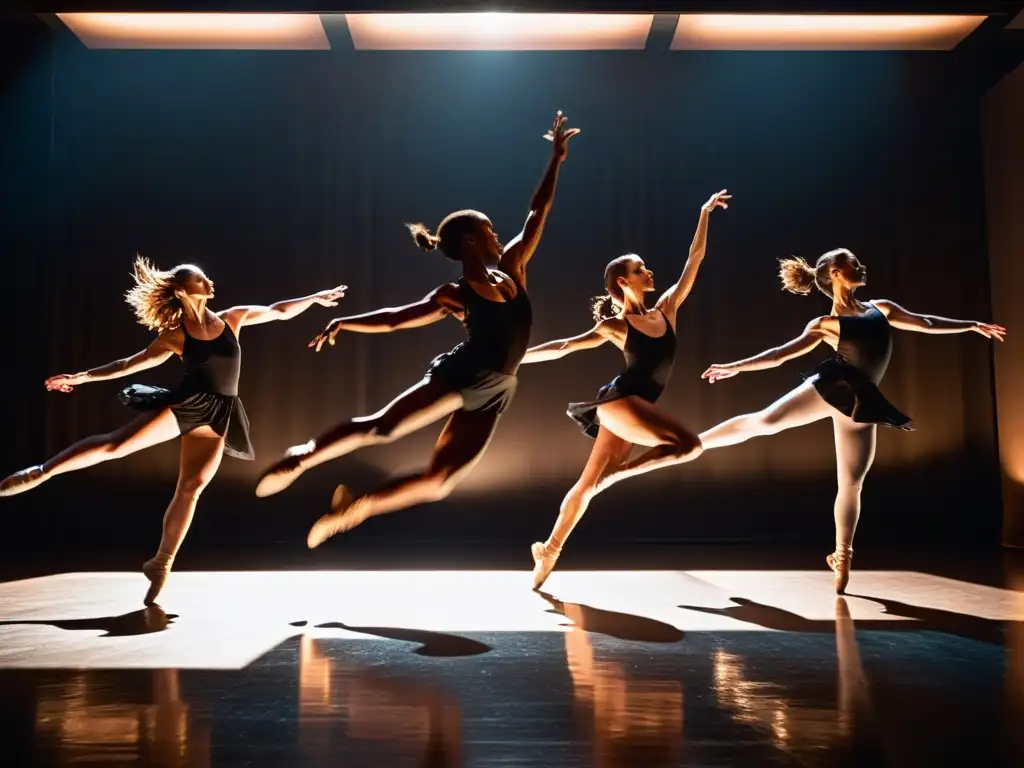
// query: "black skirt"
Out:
[224,414]
[585,414]
[849,391]
[482,389]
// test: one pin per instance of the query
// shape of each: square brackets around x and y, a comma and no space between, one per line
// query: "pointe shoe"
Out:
[22,481]
[156,569]
[342,518]
[840,563]
[543,563]
[283,473]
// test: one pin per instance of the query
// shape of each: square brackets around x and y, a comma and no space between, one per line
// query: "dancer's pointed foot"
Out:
[156,569]
[840,562]
[344,516]
[285,472]
[22,481]
[544,559]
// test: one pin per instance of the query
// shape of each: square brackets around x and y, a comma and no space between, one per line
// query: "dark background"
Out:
[282,173]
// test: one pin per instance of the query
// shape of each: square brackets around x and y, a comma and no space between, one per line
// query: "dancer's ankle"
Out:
[163,558]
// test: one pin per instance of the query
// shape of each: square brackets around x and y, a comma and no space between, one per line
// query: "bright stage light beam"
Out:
[199,31]
[821,32]
[499,31]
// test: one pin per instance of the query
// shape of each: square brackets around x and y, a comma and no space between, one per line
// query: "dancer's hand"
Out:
[720,371]
[559,135]
[717,200]
[990,331]
[329,298]
[65,382]
[327,334]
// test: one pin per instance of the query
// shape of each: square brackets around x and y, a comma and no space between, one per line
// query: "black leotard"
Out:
[649,361]
[483,368]
[207,394]
[849,380]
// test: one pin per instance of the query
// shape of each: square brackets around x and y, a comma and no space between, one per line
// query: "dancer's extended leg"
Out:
[801,406]
[201,453]
[147,430]
[462,442]
[420,405]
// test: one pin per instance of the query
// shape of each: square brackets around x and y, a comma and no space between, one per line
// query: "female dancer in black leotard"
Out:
[473,384]
[624,413]
[844,387]
[204,409]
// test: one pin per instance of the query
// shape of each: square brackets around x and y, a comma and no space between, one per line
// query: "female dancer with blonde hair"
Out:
[625,413]
[204,409]
[843,387]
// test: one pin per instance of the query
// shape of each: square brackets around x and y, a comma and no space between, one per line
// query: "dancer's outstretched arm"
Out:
[816,332]
[671,300]
[281,310]
[911,321]
[520,248]
[553,350]
[436,305]
[158,352]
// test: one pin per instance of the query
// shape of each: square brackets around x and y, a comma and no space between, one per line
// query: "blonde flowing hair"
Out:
[153,297]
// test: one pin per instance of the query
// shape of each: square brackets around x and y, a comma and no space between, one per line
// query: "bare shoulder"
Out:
[448,297]
[170,340]
[824,326]
[613,328]
[234,317]
[885,306]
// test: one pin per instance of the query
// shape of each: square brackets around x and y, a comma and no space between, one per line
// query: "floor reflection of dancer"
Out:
[844,387]
[472,385]
[624,413]
[204,410]
[635,722]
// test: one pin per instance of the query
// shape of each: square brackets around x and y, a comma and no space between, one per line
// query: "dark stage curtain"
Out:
[285,173]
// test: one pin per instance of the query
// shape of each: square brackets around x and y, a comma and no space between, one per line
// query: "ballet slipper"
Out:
[544,559]
[344,516]
[284,472]
[840,563]
[22,481]
[156,569]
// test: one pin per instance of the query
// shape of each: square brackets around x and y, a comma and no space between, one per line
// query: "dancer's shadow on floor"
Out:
[437,644]
[991,631]
[918,619]
[143,622]
[622,626]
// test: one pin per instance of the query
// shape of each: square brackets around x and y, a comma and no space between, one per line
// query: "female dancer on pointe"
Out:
[204,409]
[624,413]
[472,385]
[843,387]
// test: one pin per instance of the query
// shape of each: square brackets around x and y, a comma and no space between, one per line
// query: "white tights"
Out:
[855,446]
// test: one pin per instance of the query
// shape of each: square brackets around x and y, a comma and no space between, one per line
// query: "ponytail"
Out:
[604,308]
[797,275]
[426,241]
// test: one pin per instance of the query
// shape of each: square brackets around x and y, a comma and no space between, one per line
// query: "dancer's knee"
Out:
[767,422]
[685,446]
[439,484]
[191,487]
[115,445]
[852,484]
[380,429]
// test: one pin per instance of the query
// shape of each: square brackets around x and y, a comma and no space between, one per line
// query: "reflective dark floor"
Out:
[628,668]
